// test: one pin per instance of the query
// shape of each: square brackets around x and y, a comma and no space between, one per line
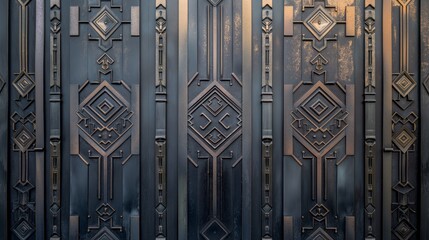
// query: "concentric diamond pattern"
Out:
[404,230]
[404,83]
[24,139]
[105,23]
[320,116]
[319,23]
[23,84]
[403,139]
[23,230]
[105,116]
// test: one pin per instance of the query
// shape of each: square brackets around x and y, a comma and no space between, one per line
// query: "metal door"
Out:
[323,156]
[214,119]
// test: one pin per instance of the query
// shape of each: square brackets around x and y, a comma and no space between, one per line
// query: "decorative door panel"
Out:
[401,110]
[321,168]
[26,121]
[104,119]
[214,120]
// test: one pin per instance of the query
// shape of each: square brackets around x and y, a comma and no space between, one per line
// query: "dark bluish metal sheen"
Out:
[214,119]
[4,123]
[424,98]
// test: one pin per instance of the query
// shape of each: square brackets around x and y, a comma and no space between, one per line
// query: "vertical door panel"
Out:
[319,145]
[424,96]
[4,122]
[104,119]
[214,109]
[26,120]
[401,111]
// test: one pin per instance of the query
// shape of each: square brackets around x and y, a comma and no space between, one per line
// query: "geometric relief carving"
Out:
[319,117]
[403,128]
[403,139]
[105,23]
[319,234]
[23,229]
[404,83]
[23,129]
[319,23]
[23,138]
[105,234]
[23,84]
[319,212]
[214,2]
[104,116]
[404,230]
[214,122]
[215,117]
[105,211]
[322,112]
[215,230]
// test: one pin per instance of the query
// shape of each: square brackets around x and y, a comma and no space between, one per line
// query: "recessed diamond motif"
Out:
[23,139]
[404,230]
[23,230]
[404,139]
[404,83]
[105,23]
[215,230]
[319,23]
[160,208]
[319,107]
[23,84]
[370,209]
[266,208]
[105,106]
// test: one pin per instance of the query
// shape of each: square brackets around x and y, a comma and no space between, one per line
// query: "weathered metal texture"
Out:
[4,120]
[161,119]
[55,98]
[347,85]
[387,112]
[424,130]
[370,122]
[403,118]
[267,120]
[214,120]
[26,83]
[104,118]
[319,139]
